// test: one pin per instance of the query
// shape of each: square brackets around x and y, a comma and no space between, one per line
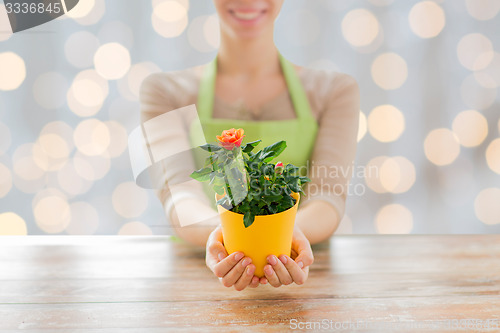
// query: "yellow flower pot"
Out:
[269,234]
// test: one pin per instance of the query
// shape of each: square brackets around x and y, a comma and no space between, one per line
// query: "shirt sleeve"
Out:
[161,93]
[332,160]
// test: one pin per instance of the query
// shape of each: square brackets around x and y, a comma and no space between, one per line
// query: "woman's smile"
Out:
[247,16]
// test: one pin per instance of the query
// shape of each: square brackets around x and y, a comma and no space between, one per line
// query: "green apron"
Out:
[299,133]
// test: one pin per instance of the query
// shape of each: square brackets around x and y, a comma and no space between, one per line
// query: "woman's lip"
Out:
[247,15]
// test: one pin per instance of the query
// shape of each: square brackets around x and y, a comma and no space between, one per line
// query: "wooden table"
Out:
[153,284]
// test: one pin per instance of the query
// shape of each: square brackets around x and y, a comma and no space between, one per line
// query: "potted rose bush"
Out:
[257,200]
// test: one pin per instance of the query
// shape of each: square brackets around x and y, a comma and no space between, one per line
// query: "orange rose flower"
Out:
[231,138]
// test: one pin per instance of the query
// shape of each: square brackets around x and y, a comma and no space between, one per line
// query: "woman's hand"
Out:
[286,270]
[233,270]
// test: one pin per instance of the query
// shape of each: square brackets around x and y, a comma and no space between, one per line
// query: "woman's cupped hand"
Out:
[236,270]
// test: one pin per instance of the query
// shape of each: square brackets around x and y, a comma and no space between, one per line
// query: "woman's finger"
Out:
[303,248]
[222,268]
[215,250]
[280,270]
[255,282]
[297,274]
[235,273]
[245,279]
[271,276]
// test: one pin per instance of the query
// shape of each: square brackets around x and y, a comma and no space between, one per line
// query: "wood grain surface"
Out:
[154,284]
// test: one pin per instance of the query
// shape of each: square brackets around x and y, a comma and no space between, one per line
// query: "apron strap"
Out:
[296,90]
[206,94]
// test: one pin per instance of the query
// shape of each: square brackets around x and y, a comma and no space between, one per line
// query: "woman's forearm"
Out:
[193,210]
[318,220]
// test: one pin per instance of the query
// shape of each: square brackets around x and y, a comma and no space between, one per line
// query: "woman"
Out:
[250,83]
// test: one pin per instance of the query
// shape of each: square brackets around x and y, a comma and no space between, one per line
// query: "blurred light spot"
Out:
[170,11]
[51,152]
[493,156]
[394,219]
[203,33]
[80,48]
[52,214]
[475,51]
[427,19]
[112,61]
[92,168]
[24,164]
[386,123]
[183,3]
[118,138]
[130,85]
[82,9]
[397,174]
[5,28]
[441,146]
[138,73]
[5,180]
[483,9]
[476,96]
[486,206]
[471,128]
[12,71]
[360,27]
[389,71]
[485,79]
[169,18]
[62,129]
[91,137]
[211,31]
[305,33]
[135,228]
[47,90]
[84,219]
[87,93]
[129,200]
[372,174]
[5,138]
[118,32]
[362,126]
[71,182]
[12,224]
[90,13]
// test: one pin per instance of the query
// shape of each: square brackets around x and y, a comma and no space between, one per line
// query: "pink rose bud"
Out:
[279,168]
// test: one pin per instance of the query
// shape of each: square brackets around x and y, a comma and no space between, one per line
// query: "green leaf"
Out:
[202,175]
[250,146]
[272,151]
[272,198]
[248,219]
[219,190]
[211,147]
[304,180]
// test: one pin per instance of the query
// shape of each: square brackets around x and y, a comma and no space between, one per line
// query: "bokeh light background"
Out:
[429,73]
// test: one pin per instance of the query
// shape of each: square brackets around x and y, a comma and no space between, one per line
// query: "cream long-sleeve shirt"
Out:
[334,101]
